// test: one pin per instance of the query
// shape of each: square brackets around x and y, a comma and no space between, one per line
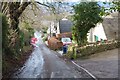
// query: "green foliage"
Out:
[21,37]
[85,51]
[89,50]
[4,32]
[115,6]
[87,15]
[45,38]
[26,33]
[8,38]
[44,29]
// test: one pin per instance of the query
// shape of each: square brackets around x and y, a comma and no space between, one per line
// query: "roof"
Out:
[65,25]
[110,25]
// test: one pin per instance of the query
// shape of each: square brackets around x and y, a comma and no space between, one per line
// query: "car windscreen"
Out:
[66,40]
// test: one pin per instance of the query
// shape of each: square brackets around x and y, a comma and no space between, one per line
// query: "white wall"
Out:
[98,31]
[58,28]
[52,28]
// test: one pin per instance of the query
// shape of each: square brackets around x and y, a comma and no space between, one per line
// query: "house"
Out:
[97,33]
[62,29]
[64,26]
[107,30]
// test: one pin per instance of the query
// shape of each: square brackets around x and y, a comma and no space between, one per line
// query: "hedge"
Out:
[87,50]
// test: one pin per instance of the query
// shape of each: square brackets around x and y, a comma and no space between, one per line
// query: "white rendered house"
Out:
[97,33]
[107,30]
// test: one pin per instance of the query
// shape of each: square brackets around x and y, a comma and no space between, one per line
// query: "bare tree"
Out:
[13,11]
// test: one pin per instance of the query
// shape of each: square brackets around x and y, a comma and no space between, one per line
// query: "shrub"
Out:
[85,51]
[4,33]
[45,38]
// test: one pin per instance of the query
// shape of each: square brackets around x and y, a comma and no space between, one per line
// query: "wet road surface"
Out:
[43,63]
[33,66]
[55,67]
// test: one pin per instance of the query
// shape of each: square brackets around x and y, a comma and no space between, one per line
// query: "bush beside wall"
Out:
[91,49]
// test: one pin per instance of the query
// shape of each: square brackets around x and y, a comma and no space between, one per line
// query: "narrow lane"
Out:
[55,67]
[43,63]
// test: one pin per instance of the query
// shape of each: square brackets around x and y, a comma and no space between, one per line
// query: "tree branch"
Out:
[22,8]
[24,5]
[42,4]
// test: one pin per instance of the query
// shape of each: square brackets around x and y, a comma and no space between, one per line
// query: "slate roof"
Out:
[110,25]
[65,26]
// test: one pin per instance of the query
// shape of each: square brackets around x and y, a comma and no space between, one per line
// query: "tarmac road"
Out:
[43,63]
[102,65]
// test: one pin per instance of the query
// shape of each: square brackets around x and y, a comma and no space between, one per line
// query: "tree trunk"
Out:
[13,10]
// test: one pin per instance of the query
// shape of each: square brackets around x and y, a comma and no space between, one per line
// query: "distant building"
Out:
[64,26]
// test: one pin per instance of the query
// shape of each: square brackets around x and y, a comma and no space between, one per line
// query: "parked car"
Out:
[66,41]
